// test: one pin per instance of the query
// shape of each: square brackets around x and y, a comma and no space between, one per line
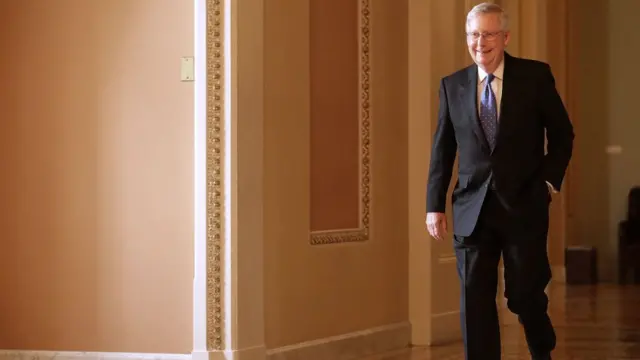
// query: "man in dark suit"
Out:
[495,114]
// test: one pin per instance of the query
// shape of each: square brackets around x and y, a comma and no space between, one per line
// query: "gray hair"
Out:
[489,8]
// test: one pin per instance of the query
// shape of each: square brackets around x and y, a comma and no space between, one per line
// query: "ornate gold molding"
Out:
[215,163]
[362,233]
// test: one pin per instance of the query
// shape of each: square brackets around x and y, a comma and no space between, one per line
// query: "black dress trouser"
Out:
[527,273]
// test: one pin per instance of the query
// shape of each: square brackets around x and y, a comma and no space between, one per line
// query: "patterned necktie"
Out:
[488,112]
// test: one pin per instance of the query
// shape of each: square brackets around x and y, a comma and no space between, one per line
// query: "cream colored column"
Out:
[228,246]
[572,92]
[533,29]
[420,118]
[435,50]
[557,50]
[528,25]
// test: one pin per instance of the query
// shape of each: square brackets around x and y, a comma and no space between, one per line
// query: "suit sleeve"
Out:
[559,131]
[443,153]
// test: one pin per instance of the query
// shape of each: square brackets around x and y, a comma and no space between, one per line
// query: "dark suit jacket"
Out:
[518,168]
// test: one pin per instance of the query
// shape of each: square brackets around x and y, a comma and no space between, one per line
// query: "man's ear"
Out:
[507,37]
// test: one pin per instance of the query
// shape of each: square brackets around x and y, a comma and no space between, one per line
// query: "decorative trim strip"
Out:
[324,237]
[215,146]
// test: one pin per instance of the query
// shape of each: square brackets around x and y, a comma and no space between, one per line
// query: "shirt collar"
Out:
[498,73]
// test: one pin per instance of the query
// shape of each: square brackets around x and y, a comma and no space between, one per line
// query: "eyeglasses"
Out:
[489,36]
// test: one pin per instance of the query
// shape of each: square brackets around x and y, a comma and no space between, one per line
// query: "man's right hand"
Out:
[437,225]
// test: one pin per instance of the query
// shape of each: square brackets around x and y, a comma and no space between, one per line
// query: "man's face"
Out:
[486,40]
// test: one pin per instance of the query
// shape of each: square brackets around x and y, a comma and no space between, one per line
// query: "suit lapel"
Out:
[469,98]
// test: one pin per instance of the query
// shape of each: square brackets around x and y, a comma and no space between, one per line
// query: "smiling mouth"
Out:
[483,51]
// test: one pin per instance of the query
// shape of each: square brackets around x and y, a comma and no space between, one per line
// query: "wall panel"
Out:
[339,120]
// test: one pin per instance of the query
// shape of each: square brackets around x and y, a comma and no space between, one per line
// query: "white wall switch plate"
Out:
[186,68]
[614,149]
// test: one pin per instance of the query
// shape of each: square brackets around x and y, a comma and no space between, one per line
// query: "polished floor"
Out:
[592,323]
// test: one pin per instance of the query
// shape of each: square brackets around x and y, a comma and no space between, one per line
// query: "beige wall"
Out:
[607,116]
[96,154]
[316,291]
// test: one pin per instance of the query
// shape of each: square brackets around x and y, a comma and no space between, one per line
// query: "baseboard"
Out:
[348,346]
[445,328]
[254,353]
[72,355]
[257,353]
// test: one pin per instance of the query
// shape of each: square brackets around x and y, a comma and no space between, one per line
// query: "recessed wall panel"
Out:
[335,115]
